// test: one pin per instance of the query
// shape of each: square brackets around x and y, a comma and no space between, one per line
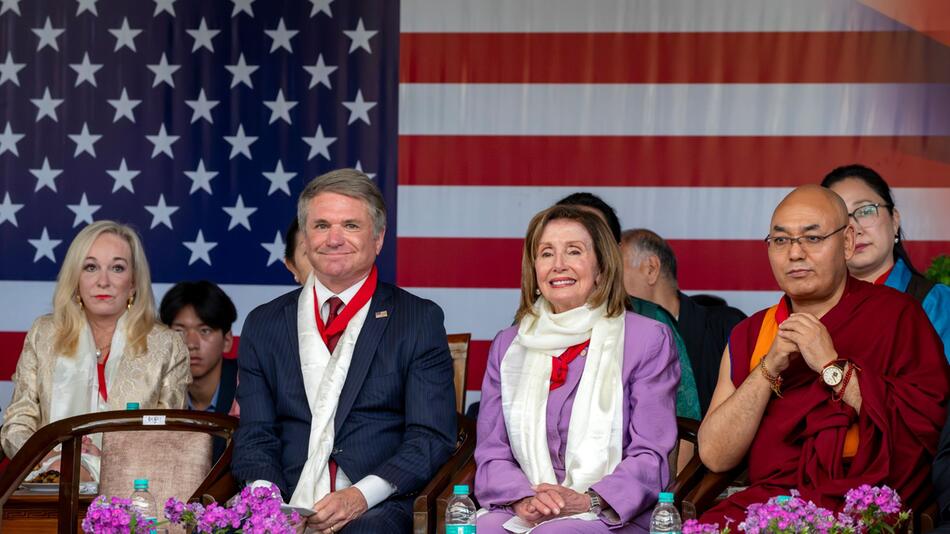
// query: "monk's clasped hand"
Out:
[811,337]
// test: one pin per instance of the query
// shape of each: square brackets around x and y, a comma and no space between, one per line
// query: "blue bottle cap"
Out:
[141,483]
[131,406]
[666,497]
[461,489]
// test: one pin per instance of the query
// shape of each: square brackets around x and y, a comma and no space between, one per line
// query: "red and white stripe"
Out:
[691,117]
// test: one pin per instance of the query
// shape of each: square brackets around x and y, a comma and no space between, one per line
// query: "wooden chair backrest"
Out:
[69,433]
[458,346]
[175,463]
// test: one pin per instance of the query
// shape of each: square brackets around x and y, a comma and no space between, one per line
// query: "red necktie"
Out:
[336,305]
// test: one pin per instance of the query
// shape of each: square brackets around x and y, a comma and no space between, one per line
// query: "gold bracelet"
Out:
[775,382]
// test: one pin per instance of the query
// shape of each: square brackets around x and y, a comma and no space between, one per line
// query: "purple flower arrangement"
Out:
[253,511]
[114,516]
[867,510]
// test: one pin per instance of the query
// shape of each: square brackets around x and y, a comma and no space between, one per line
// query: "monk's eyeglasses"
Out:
[807,242]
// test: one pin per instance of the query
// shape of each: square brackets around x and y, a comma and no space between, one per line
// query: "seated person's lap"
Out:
[491,523]
[392,516]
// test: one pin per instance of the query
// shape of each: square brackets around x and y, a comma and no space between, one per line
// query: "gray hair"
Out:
[350,183]
[649,243]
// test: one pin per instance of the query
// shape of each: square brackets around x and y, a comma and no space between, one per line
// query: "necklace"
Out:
[100,351]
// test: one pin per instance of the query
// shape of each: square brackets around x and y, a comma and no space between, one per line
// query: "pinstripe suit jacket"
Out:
[396,414]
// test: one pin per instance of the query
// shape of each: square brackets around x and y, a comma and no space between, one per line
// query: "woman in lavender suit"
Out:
[578,403]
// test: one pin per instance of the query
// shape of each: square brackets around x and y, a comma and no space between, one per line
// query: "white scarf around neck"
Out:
[595,436]
[323,377]
[75,388]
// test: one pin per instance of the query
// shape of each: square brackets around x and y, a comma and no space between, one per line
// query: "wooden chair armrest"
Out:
[687,429]
[219,484]
[688,479]
[925,512]
[703,496]
[424,506]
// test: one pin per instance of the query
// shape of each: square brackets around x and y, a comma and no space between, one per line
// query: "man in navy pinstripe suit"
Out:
[346,394]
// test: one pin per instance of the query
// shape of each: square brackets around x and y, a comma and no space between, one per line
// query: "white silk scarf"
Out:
[595,436]
[323,377]
[76,384]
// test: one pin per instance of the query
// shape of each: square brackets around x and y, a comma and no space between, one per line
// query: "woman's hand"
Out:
[551,501]
[571,501]
[526,510]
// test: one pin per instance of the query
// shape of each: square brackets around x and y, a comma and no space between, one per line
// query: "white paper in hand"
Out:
[303,512]
[516,525]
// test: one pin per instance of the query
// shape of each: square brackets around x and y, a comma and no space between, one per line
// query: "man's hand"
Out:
[780,354]
[811,337]
[337,509]
[574,502]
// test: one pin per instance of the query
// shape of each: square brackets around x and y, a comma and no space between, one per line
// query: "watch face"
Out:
[832,375]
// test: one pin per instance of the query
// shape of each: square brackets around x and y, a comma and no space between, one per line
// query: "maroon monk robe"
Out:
[903,382]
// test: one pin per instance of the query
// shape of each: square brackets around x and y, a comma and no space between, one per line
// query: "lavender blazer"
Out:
[651,374]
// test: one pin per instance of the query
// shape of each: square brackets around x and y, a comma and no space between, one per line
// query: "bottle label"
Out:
[459,529]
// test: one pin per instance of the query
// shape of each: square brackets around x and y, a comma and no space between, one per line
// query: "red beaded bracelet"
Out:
[844,382]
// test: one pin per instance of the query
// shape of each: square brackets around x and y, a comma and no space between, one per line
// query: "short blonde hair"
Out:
[68,317]
[609,262]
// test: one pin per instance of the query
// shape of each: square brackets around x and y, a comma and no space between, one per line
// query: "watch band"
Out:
[596,503]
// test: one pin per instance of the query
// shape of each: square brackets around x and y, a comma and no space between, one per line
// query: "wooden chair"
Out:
[682,482]
[425,507]
[458,346]
[69,432]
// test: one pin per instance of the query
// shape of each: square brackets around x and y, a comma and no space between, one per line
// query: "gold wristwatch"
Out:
[833,372]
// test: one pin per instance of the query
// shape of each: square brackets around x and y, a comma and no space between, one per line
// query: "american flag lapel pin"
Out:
[381,314]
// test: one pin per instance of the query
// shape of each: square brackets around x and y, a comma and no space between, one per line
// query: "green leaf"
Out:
[939,270]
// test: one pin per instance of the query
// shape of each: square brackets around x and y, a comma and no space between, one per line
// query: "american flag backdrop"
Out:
[198,121]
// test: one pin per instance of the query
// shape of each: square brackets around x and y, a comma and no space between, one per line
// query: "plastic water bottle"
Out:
[143,500]
[665,518]
[460,512]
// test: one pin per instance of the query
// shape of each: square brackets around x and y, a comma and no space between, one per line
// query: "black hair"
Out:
[593,201]
[290,240]
[876,182]
[211,304]
[710,301]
